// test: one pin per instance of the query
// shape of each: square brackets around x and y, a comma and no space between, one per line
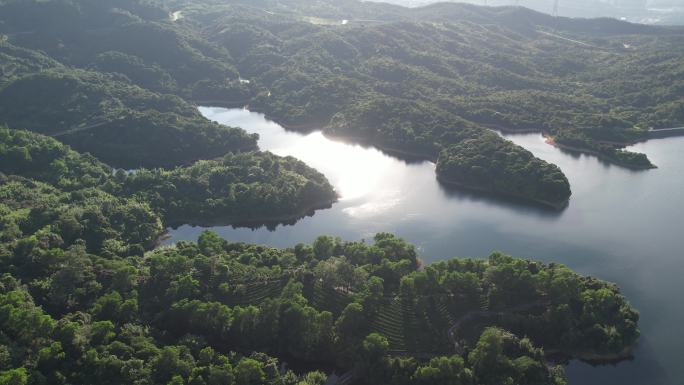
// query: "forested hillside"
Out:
[253,188]
[214,312]
[122,124]
[110,80]
[83,102]
[418,81]
[102,149]
[591,84]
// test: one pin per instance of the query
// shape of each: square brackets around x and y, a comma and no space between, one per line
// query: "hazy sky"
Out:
[640,11]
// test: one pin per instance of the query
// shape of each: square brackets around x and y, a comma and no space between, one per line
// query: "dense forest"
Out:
[86,297]
[115,79]
[501,167]
[245,188]
[120,123]
[102,149]
[213,312]
[505,68]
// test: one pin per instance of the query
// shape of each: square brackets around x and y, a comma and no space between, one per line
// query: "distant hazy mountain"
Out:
[639,11]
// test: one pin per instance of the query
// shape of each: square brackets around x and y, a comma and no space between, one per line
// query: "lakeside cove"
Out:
[665,132]
[411,155]
[594,235]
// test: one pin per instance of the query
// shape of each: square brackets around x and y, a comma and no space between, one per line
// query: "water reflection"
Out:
[620,225]
[512,203]
[644,371]
[357,173]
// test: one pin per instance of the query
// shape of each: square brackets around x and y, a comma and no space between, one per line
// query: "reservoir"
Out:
[622,226]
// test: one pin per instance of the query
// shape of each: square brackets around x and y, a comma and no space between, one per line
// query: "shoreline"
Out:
[650,135]
[392,151]
[360,140]
[663,133]
[430,158]
[257,221]
[398,152]
[219,103]
[559,206]
[306,127]
[592,358]
[514,131]
[402,154]
[311,126]
[579,150]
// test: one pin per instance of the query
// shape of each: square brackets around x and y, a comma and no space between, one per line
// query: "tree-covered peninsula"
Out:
[253,188]
[247,188]
[466,157]
[215,312]
[490,164]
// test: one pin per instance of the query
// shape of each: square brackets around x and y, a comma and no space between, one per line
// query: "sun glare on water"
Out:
[354,174]
[367,181]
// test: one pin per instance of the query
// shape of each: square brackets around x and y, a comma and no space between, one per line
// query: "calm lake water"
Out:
[621,226]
